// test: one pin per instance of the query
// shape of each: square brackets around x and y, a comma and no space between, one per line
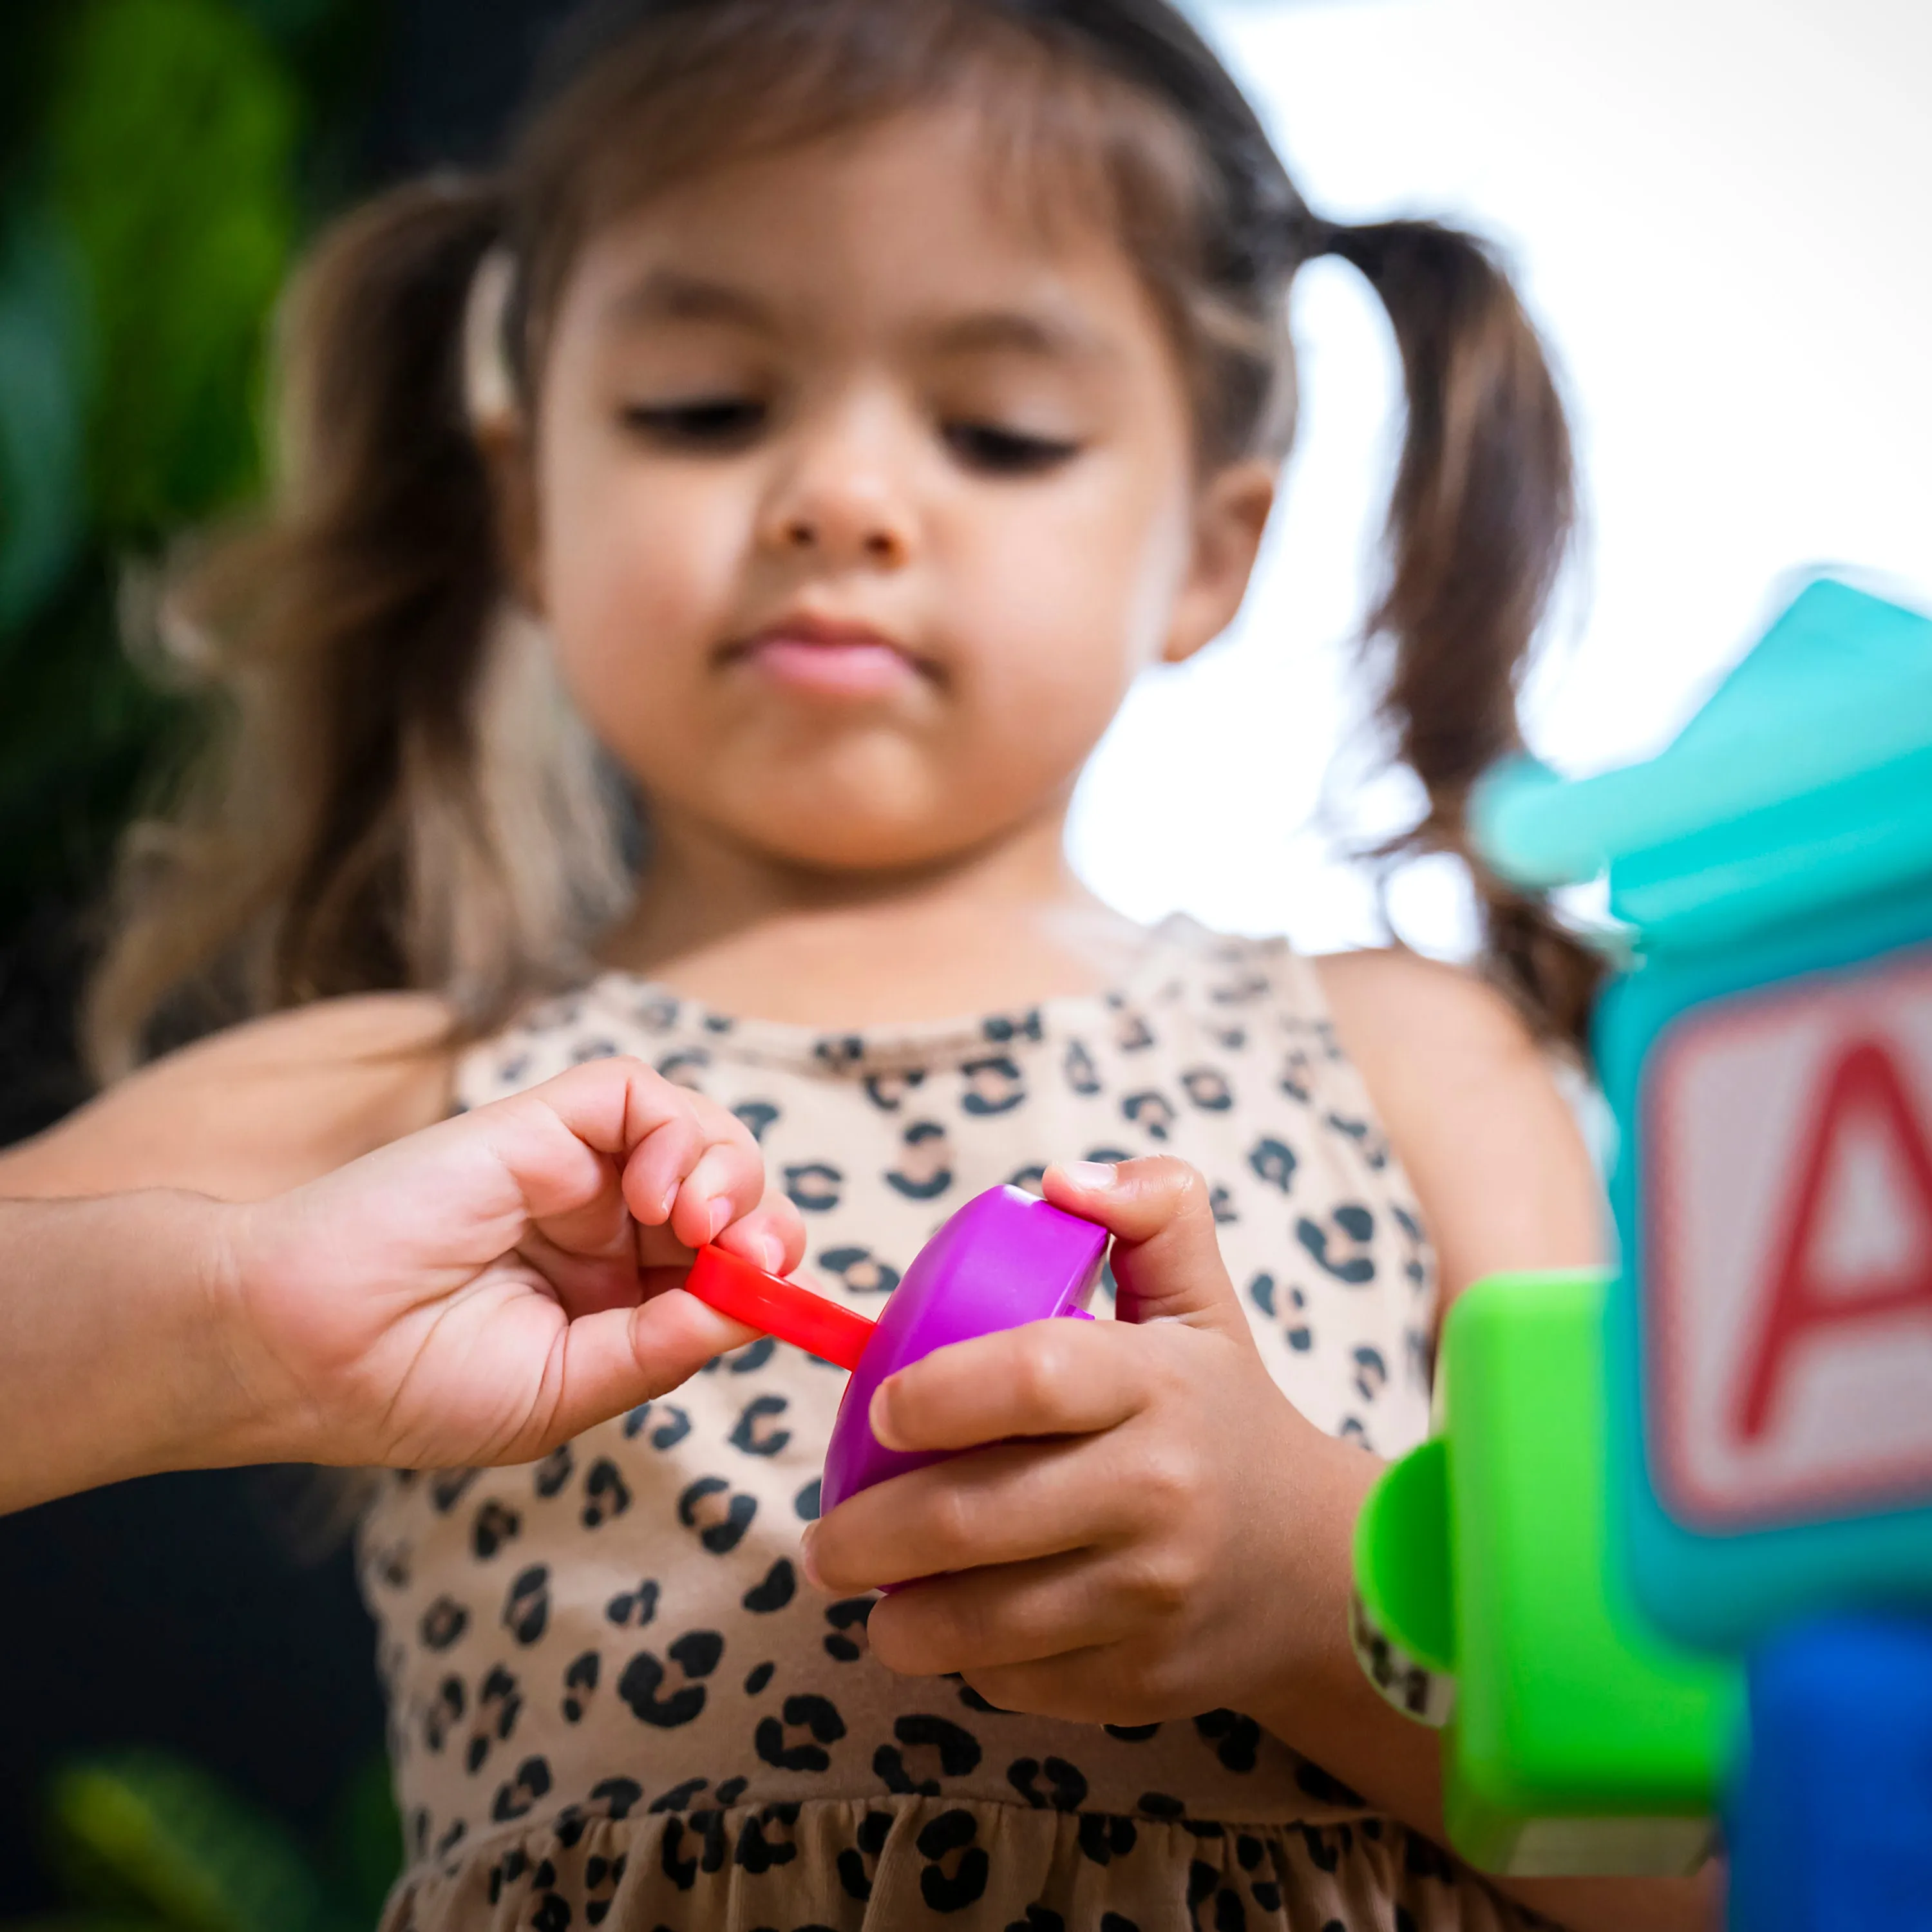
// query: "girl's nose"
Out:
[876,539]
[845,505]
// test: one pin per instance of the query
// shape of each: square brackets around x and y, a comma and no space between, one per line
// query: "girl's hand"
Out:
[483,1290]
[1141,1554]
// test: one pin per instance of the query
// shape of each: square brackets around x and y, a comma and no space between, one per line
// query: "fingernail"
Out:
[669,1202]
[771,1253]
[805,1561]
[878,1418]
[1096,1175]
[720,1213]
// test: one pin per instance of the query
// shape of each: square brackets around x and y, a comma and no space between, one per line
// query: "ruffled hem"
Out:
[891,1864]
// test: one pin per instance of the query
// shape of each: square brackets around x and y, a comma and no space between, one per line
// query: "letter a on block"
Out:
[1862,1090]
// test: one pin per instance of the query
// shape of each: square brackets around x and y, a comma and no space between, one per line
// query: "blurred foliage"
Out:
[145,1843]
[170,144]
[160,161]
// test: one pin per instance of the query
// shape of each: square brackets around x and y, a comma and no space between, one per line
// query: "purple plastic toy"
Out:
[1005,1258]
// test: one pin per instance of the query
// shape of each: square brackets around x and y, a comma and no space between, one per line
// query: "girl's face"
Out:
[858,499]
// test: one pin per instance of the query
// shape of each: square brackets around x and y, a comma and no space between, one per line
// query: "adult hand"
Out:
[1124,1537]
[484,1289]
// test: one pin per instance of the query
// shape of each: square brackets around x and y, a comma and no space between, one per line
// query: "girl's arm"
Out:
[253,1110]
[1504,1181]
[1182,1539]
[1500,1170]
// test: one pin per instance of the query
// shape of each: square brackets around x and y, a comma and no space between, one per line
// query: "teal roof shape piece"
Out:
[1805,779]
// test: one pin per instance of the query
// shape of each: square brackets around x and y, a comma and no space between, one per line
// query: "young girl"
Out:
[827,412]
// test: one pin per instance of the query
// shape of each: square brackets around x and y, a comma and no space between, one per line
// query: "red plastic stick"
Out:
[734,1287]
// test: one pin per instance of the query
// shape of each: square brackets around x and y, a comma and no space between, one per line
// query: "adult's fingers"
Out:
[584,1284]
[1167,1259]
[773,1235]
[725,1184]
[696,1174]
[655,1133]
[605,1364]
[611,1107]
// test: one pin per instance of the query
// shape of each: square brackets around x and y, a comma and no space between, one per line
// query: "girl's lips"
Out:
[850,664]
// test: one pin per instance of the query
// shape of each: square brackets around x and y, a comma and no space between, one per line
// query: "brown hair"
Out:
[398,797]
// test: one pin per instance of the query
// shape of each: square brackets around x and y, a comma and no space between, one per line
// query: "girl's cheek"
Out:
[648,570]
[1072,595]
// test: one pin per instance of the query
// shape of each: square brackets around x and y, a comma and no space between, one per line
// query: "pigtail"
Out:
[1478,523]
[393,795]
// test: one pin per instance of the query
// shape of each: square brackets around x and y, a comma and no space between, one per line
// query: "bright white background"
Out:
[1721,213]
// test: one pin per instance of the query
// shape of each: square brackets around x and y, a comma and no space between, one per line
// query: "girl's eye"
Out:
[705,422]
[1006,452]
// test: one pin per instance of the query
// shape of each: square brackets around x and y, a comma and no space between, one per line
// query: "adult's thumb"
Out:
[1167,1262]
[617,1357]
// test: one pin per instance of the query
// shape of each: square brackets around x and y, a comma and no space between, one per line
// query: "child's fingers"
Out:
[1052,1378]
[1083,1686]
[1167,1260]
[988,1620]
[1013,1503]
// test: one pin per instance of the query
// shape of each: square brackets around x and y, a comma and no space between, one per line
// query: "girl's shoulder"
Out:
[1389,1003]
[259,1108]
[1471,1102]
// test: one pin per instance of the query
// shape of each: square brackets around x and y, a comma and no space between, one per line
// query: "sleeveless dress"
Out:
[613,1700]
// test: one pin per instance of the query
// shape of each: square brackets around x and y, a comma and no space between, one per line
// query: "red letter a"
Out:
[1865,1080]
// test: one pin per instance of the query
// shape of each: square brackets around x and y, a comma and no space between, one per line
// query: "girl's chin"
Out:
[817,837]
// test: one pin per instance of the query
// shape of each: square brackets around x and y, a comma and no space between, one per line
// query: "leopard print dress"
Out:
[614,1701]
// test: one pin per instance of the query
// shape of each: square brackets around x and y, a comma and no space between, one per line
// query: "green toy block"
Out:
[1574,1740]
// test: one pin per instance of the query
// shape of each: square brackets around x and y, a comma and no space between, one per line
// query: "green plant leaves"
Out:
[149,219]
[141,1833]
[170,145]
[365,1842]
[42,403]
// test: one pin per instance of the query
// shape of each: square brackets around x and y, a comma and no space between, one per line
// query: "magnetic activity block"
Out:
[1768,1058]
[1576,1740]
[1832,1829]
[1005,1258]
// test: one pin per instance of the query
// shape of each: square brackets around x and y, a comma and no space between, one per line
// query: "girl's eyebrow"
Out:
[1057,338]
[664,294]
[668,294]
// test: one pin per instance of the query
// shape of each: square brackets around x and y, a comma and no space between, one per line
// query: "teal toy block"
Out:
[1804,784]
[1768,1058]
[1576,1740]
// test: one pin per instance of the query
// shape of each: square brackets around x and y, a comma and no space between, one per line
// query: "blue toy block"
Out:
[1830,1830]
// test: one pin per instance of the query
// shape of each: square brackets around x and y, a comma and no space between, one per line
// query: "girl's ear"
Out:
[511,462]
[1229,518]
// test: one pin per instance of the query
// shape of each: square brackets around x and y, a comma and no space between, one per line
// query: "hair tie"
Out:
[1315,237]
[489,390]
